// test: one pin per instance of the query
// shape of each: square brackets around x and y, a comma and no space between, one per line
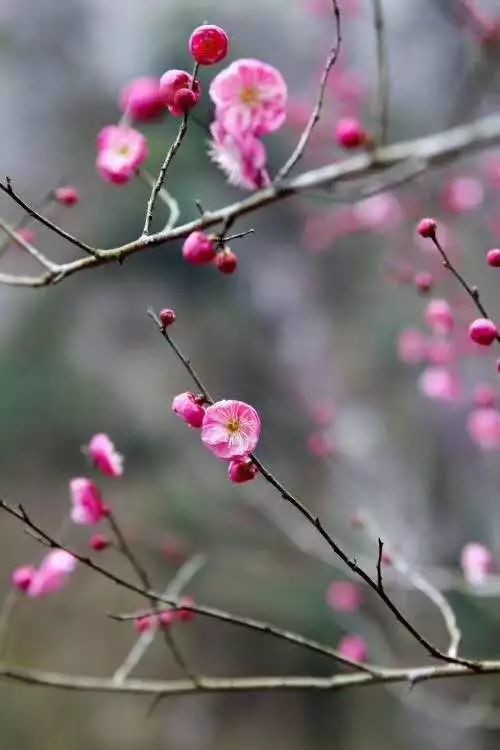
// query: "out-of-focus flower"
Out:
[412,346]
[477,563]
[344,596]
[353,647]
[230,429]
[121,152]
[67,195]
[22,576]
[250,97]
[439,316]
[87,505]
[440,384]
[382,212]
[483,426]
[104,455]
[350,133]
[463,194]
[142,100]
[53,574]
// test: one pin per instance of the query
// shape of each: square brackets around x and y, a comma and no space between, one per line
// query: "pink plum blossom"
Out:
[241,156]
[230,429]
[87,505]
[187,407]
[121,152]
[483,426]
[463,194]
[142,100]
[53,574]
[477,563]
[439,384]
[250,97]
[353,647]
[344,596]
[104,455]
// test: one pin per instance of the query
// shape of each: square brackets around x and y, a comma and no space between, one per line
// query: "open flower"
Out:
[53,573]
[121,151]
[230,429]
[104,455]
[87,505]
[249,96]
[242,157]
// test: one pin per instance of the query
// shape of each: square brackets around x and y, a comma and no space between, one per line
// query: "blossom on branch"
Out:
[87,505]
[104,455]
[230,429]
[121,151]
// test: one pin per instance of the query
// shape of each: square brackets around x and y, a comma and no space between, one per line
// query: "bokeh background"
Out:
[308,325]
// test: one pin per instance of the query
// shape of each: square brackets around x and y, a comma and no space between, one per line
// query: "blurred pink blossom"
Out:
[477,563]
[141,99]
[412,346]
[483,426]
[104,455]
[87,505]
[440,384]
[353,647]
[463,194]
[241,156]
[121,151]
[344,596]
[53,574]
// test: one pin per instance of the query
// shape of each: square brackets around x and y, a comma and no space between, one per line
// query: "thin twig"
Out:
[316,112]
[316,522]
[33,251]
[182,577]
[166,197]
[20,514]
[431,150]
[472,291]
[382,102]
[9,190]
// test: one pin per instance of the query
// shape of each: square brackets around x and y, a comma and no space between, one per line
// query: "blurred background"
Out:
[306,331]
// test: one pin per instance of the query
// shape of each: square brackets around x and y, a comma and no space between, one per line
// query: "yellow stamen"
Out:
[250,96]
[233,425]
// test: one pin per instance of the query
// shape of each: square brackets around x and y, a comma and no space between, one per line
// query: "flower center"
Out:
[124,150]
[233,425]
[250,96]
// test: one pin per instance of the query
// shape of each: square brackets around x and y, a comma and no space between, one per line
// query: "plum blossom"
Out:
[483,426]
[344,596]
[230,429]
[105,456]
[53,574]
[353,647]
[87,505]
[250,97]
[439,384]
[242,157]
[141,99]
[22,576]
[477,563]
[121,151]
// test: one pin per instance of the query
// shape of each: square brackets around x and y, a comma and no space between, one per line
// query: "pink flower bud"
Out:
[167,618]
[350,133]
[167,317]
[483,331]
[344,596]
[477,563]
[439,316]
[187,408]
[99,542]
[209,44]
[353,647]
[198,249]
[423,281]
[21,577]
[427,228]
[493,257]
[241,470]
[67,195]
[172,83]
[226,261]
[142,99]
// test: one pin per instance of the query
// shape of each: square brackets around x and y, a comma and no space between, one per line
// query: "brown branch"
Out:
[315,521]
[298,152]
[431,150]
[20,514]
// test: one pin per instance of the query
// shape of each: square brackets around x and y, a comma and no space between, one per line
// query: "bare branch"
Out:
[33,251]
[382,101]
[316,113]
